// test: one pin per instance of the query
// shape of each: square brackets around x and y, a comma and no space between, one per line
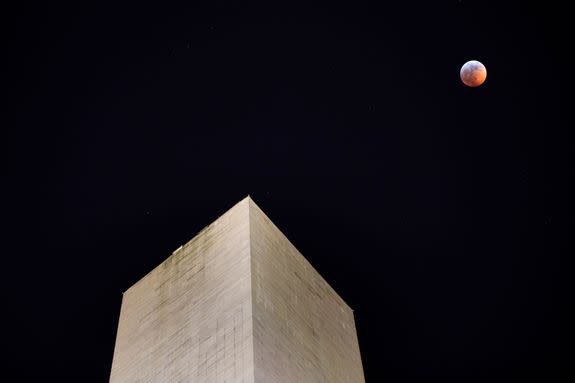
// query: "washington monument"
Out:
[238,303]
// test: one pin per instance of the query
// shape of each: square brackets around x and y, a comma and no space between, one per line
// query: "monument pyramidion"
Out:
[237,303]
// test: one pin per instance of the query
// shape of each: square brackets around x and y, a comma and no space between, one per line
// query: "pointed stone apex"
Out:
[237,303]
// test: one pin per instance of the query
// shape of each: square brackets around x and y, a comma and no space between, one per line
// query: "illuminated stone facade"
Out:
[238,303]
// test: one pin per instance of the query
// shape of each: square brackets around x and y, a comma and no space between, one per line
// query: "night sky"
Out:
[437,211]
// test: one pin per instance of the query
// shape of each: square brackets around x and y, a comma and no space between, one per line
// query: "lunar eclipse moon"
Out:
[473,73]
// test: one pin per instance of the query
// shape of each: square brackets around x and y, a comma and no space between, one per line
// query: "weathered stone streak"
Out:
[236,304]
[189,320]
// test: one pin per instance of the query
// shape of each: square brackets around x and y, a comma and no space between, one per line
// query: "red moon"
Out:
[473,73]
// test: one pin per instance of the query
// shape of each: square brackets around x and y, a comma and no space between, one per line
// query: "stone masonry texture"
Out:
[236,304]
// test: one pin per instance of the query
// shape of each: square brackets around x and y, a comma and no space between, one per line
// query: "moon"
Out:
[473,73]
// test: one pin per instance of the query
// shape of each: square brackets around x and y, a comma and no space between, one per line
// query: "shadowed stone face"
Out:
[473,73]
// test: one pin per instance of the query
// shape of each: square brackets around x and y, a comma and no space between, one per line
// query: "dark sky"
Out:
[437,211]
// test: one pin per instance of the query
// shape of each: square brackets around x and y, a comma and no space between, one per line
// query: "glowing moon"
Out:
[473,73]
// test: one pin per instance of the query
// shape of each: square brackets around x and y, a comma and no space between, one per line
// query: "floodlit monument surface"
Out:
[238,303]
